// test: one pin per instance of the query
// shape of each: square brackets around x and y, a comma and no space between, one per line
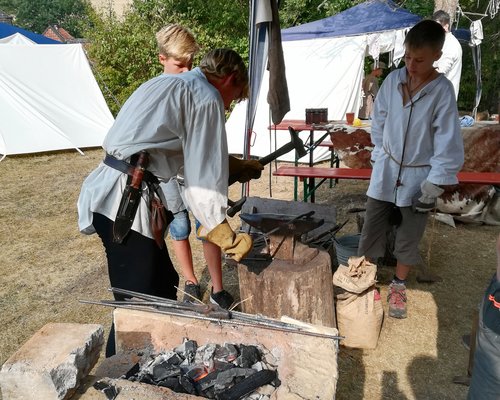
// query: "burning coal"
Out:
[223,372]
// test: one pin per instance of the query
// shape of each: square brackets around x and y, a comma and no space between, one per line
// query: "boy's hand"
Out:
[425,199]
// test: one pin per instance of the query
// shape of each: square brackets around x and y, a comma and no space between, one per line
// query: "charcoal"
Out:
[187,350]
[132,371]
[147,379]
[212,371]
[226,378]
[248,385]
[108,389]
[175,359]
[204,354]
[226,353]
[222,366]
[208,381]
[165,370]
[187,385]
[249,355]
[196,372]
[259,366]
[172,383]
[209,393]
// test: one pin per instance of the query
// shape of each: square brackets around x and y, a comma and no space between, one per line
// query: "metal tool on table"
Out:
[282,230]
[130,200]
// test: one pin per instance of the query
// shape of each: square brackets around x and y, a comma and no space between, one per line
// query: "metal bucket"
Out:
[346,246]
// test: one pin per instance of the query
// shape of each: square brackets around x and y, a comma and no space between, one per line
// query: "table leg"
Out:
[311,164]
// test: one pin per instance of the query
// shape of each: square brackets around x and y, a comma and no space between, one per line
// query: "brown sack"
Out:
[359,318]
[358,276]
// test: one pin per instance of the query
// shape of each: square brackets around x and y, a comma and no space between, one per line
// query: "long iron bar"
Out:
[207,309]
[200,311]
[179,313]
[174,304]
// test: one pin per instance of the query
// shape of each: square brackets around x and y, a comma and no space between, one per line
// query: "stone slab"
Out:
[52,363]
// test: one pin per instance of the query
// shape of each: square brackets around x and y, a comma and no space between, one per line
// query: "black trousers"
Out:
[137,264]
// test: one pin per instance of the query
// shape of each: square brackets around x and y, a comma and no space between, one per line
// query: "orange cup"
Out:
[349,118]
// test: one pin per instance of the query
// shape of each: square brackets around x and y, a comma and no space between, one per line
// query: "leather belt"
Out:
[127,168]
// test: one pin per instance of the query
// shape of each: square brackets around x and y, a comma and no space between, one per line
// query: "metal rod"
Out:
[265,324]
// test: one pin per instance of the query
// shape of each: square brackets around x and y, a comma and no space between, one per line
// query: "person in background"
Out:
[450,62]
[176,121]
[418,148]
[485,381]
[177,48]
[370,89]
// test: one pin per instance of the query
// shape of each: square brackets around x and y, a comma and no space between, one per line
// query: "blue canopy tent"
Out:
[7,30]
[369,17]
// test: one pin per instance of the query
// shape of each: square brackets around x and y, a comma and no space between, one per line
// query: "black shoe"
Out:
[222,298]
[191,292]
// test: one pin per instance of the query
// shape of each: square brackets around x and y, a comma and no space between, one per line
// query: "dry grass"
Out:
[47,266]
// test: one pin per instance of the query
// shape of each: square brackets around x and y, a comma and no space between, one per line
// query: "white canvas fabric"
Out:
[49,99]
[16,38]
[321,73]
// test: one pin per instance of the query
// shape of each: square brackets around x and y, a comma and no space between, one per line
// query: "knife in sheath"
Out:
[130,200]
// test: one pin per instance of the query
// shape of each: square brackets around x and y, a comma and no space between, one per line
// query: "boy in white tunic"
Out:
[418,149]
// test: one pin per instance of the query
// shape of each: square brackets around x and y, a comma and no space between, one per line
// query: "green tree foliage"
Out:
[490,60]
[37,15]
[490,48]
[124,51]
[9,6]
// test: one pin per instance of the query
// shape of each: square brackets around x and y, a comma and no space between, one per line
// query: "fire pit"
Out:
[213,371]
[305,356]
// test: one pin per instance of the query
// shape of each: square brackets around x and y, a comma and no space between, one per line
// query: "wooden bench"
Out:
[303,173]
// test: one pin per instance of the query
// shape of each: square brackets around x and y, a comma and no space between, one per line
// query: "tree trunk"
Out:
[303,291]
[450,6]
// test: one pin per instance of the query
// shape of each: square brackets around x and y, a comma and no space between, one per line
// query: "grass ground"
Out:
[47,266]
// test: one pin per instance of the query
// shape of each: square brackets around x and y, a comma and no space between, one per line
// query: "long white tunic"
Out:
[179,119]
[434,144]
[450,63]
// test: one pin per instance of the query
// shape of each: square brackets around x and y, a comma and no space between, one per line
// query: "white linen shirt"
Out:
[434,144]
[450,62]
[179,119]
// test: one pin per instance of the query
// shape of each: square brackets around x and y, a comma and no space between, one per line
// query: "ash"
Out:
[222,372]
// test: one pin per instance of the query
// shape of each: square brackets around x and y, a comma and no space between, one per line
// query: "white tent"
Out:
[49,99]
[324,69]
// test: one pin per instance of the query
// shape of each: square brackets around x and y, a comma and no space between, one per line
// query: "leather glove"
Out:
[425,199]
[236,245]
[244,170]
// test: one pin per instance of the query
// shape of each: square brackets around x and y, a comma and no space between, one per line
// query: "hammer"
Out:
[295,143]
